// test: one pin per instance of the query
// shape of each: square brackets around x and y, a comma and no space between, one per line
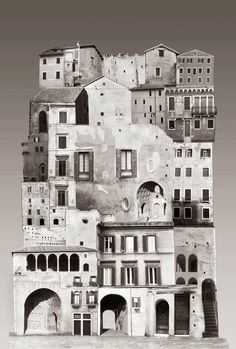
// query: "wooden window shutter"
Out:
[135,244]
[118,163]
[134,163]
[145,247]
[66,198]
[67,168]
[57,168]
[72,297]
[146,275]
[76,166]
[113,247]
[100,276]
[101,243]
[122,243]
[159,276]
[122,276]
[91,165]
[56,197]
[113,276]
[136,276]
[87,297]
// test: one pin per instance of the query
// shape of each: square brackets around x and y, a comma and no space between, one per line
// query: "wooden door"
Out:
[182,314]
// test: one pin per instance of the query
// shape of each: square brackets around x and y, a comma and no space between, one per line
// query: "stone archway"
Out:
[42,312]
[113,307]
[162,317]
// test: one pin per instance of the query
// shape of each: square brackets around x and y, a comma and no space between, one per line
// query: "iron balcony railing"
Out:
[204,110]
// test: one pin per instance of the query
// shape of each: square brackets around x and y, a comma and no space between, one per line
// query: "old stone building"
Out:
[117,196]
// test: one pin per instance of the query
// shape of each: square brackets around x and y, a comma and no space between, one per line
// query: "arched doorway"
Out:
[42,312]
[162,317]
[210,308]
[114,314]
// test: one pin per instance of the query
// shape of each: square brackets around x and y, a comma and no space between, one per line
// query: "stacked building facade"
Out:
[117,196]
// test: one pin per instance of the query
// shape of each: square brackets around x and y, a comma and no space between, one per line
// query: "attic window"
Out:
[44,60]
[161,53]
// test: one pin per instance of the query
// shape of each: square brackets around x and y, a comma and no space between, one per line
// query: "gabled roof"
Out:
[162,46]
[50,248]
[195,52]
[58,95]
[104,77]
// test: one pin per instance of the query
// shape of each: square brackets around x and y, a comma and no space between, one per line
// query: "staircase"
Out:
[211,323]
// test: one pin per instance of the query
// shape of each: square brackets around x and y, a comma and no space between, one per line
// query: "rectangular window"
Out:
[188,212]
[186,103]
[151,243]
[150,93]
[171,103]
[208,70]
[177,172]
[161,53]
[188,172]
[58,75]
[159,92]
[171,124]
[176,212]
[205,195]
[135,101]
[158,71]
[62,142]
[61,198]
[210,124]
[181,70]
[205,213]
[126,162]
[208,60]
[144,101]
[200,60]
[189,153]
[208,80]
[205,172]
[62,117]
[62,168]
[199,80]
[189,70]
[58,60]
[152,276]
[187,195]
[205,153]
[107,276]
[83,168]
[197,124]
[199,70]
[44,60]
[178,153]
[194,71]
[180,80]
[108,244]
[188,80]
[160,107]
[176,194]
[150,108]
[130,276]
[129,244]
[29,221]
[44,76]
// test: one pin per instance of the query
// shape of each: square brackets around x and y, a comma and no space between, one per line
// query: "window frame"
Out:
[179,210]
[203,209]
[191,210]
[173,99]
[174,124]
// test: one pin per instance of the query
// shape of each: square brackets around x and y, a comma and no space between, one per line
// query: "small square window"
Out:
[178,153]
[177,172]
[102,113]
[205,213]
[188,172]
[187,195]
[210,124]
[62,117]
[205,153]
[176,212]
[188,213]
[171,124]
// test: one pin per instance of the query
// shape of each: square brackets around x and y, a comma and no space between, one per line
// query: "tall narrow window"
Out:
[188,213]
[58,75]
[62,200]
[171,103]
[205,195]
[58,60]
[186,103]
[84,165]
[188,172]
[151,276]
[44,75]
[62,142]
[43,126]
[62,168]
[177,172]
[176,194]
[44,60]
[107,276]
[187,195]
[205,172]
[189,153]
[126,163]
[158,71]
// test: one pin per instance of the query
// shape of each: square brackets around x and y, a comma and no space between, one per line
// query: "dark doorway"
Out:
[162,317]
[210,308]
[118,314]
[182,314]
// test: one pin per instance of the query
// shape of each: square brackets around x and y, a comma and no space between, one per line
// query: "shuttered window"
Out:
[129,244]
[109,244]
[83,166]
[153,275]
[126,163]
[62,197]
[129,275]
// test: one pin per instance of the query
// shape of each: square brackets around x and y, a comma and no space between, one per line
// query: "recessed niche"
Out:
[85,220]
[125,204]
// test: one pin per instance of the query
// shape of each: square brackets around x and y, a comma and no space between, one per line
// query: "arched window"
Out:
[42,173]
[180,281]
[192,281]
[41,262]
[43,126]
[192,263]
[180,263]
[41,221]
[86,267]
[31,262]
[52,262]
[63,262]
[74,262]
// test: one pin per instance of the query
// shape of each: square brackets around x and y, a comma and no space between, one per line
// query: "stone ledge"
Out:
[100,342]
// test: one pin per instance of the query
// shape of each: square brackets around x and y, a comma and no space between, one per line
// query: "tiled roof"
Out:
[50,248]
[58,95]
[55,51]
[147,87]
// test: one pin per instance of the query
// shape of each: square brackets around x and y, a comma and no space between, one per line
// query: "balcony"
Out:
[203,111]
